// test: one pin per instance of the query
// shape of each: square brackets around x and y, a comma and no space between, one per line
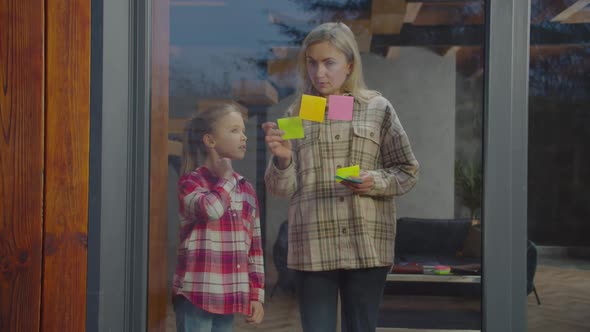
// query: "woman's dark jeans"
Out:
[361,291]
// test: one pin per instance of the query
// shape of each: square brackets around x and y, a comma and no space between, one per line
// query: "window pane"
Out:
[425,58]
[558,255]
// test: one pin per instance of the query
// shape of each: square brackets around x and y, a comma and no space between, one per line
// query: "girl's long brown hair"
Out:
[201,123]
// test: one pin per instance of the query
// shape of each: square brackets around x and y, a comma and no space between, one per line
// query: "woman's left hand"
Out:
[361,188]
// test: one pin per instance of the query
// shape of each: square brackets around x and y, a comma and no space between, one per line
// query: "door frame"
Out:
[119,209]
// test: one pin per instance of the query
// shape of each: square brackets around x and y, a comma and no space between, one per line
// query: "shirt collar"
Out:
[210,176]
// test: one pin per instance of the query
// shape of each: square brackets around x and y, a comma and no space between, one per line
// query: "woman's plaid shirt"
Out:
[329,226]
[220,261]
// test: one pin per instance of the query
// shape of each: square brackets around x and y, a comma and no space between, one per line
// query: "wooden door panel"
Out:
[158,294]
[66,165]
[21,163]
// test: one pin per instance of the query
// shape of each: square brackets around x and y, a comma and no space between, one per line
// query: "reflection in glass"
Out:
[558,254]
[425,57]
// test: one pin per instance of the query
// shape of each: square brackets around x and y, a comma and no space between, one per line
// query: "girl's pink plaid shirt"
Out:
[220,260]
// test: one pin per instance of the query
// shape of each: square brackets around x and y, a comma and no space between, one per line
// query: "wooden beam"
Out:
[583,16]
[469,60]
[571,11]
[282,72]
[285,52]
[445,51]
[392,52]
[387,16]
[412,10]
[450,14]
[176,126]
[22,155]
[474,35]
[553,50]
[430,36]
[545,10]
[451,51]
[363,33]
[174,148]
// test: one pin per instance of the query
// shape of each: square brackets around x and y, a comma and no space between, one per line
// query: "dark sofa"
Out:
[435,242]
[452,242]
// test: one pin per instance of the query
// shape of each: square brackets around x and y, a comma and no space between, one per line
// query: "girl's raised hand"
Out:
[279,147]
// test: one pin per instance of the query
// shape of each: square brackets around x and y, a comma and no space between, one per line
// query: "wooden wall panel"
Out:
[67,114]
[21,163]
[158,295]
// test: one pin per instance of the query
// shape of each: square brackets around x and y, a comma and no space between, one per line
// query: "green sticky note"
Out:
[293,127]
[313,108]
[355,180]
[346,172]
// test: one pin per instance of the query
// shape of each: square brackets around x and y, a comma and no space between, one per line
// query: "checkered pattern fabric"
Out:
[329,226]
[220,261]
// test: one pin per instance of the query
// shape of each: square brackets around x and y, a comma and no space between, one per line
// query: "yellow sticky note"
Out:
[293,127]
[348,171]
[313,108]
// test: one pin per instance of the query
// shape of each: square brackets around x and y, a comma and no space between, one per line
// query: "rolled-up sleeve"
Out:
[256,261]
[197,202]
[280,182]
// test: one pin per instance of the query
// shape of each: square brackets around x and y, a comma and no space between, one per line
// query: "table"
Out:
[430,278]
[452,278]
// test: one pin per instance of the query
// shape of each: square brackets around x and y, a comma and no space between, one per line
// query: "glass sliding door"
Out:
[426,57]
[456,74]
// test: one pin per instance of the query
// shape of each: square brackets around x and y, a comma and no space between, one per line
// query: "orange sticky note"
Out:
[345,172]
[313,108]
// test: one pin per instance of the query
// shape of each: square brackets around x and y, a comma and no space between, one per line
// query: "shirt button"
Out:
[238,266]
[372,134]
[344,230]
[341,199]
[337,137]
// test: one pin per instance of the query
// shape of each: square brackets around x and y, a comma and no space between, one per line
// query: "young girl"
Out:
[219,270]
[340,234]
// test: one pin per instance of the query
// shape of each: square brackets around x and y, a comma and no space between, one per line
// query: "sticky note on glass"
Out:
[312,108]
[293,127]
[346,172]
[340,107]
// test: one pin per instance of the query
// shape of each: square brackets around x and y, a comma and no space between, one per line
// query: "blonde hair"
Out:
[197,127]
[341,37]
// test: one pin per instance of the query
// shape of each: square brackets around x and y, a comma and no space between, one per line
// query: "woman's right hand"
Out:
[278,146]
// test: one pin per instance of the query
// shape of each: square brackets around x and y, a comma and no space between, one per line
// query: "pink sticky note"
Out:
[340,107]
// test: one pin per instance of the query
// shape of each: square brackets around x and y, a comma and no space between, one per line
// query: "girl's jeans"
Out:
[190,318]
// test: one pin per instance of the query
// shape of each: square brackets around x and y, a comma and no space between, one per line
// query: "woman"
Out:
[341,234]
